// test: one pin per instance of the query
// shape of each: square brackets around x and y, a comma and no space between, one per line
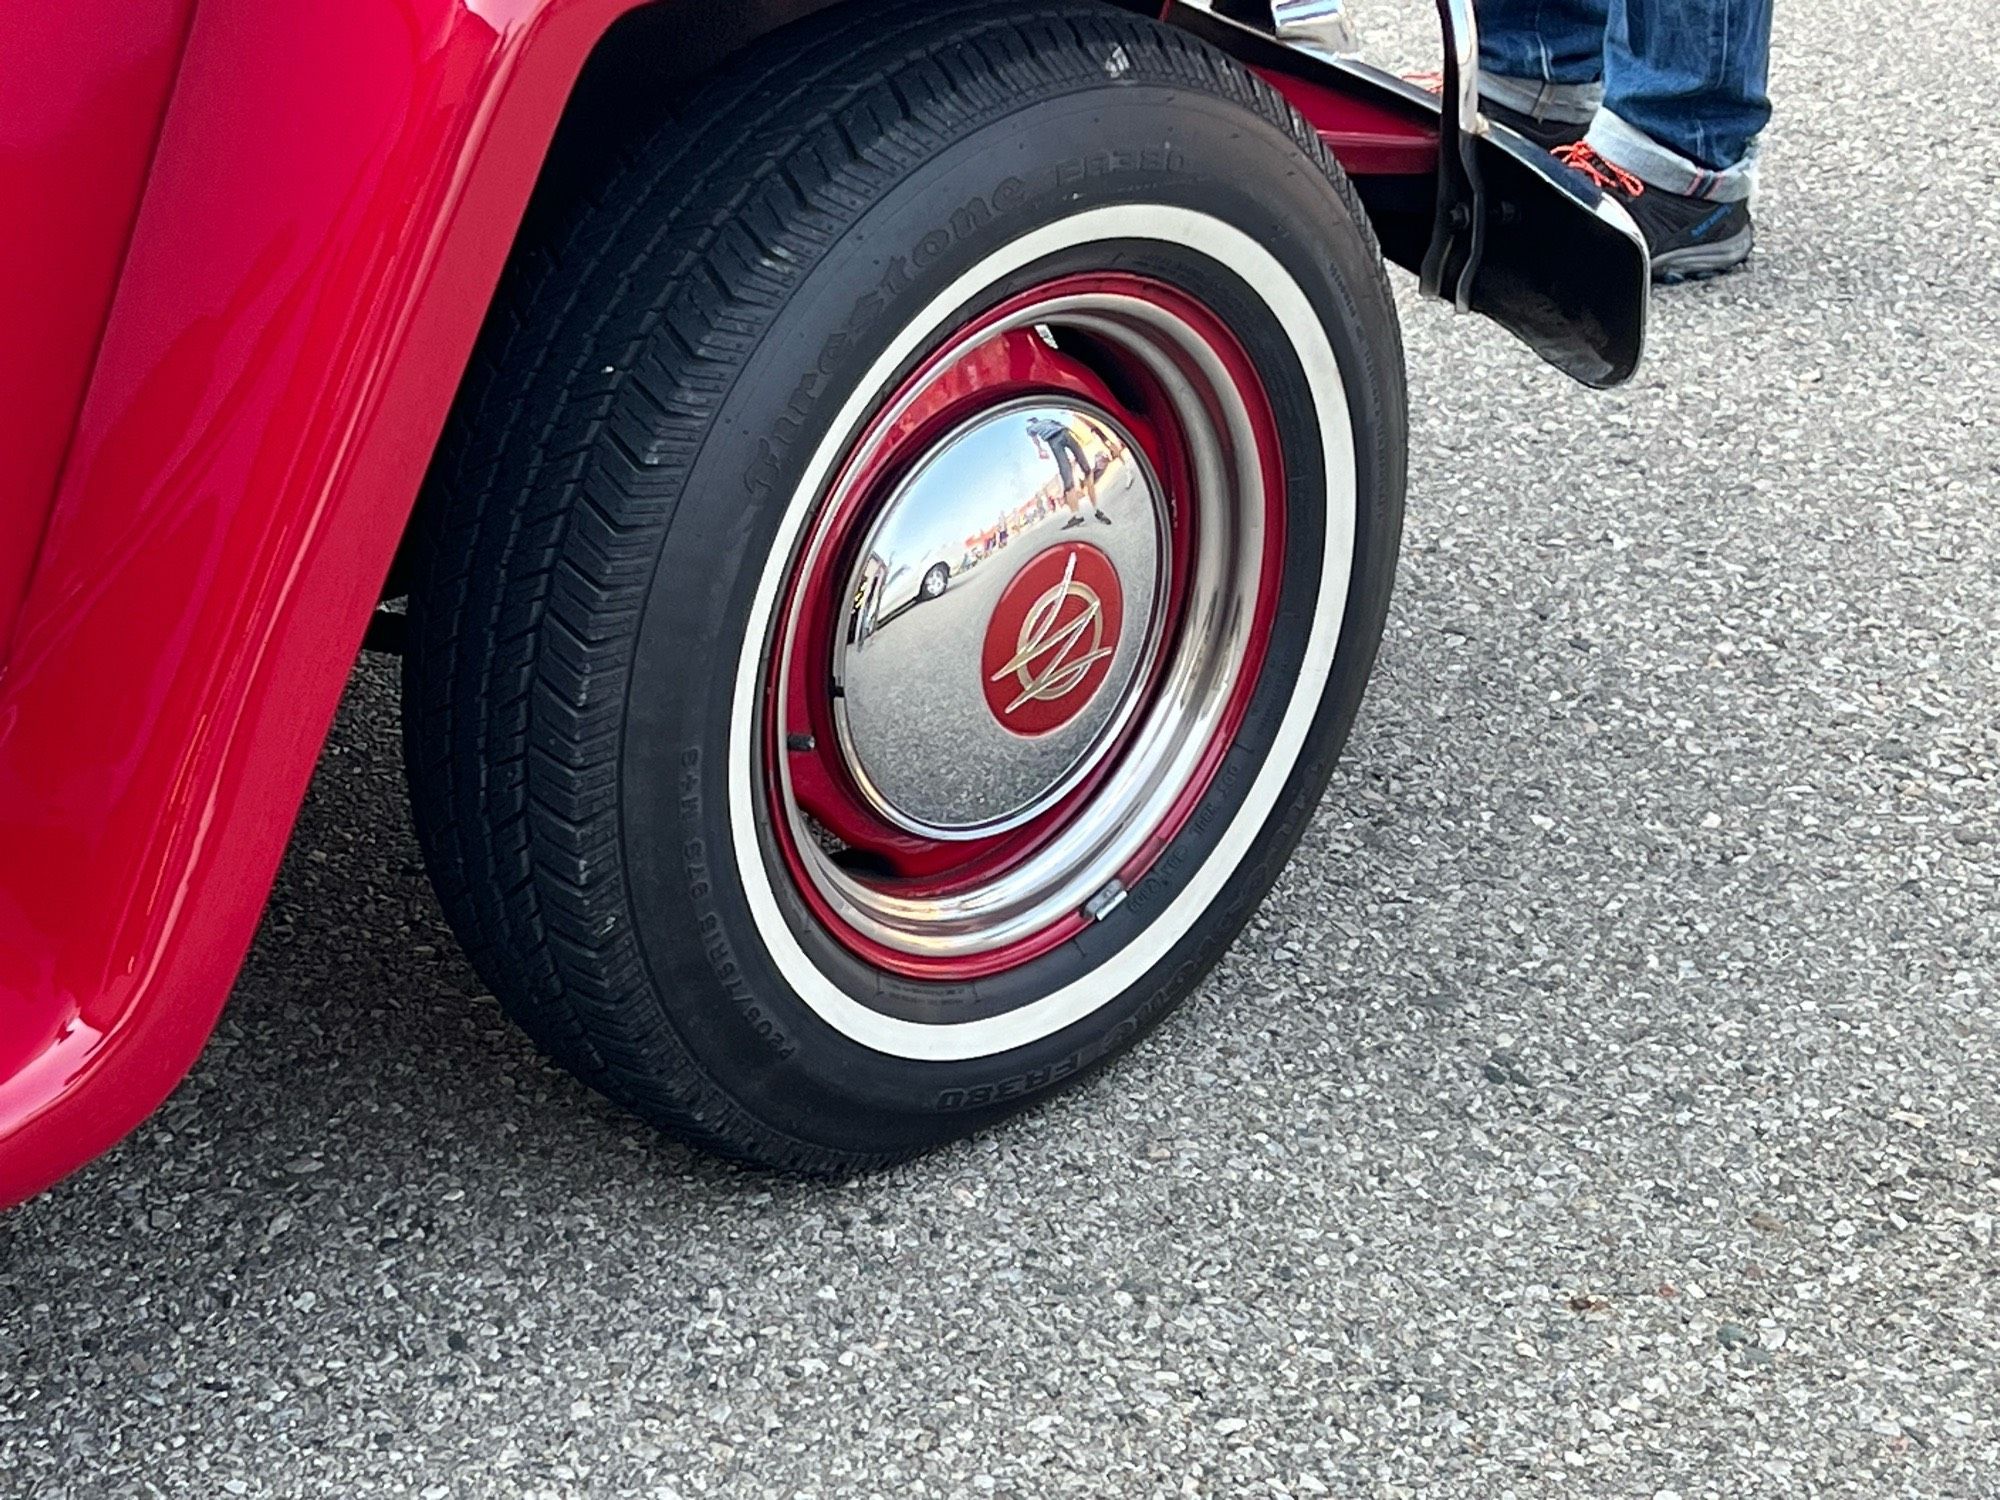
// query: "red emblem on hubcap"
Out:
[1050,642]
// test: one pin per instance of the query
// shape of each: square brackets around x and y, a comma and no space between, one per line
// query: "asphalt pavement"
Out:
[1607,1102]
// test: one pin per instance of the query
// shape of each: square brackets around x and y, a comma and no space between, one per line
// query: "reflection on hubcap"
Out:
[977,710]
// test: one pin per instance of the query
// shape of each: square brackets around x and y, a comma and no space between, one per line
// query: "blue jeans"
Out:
[1676,91]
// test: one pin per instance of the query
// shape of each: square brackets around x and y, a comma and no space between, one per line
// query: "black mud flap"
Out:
[1563,267]
[1501,229]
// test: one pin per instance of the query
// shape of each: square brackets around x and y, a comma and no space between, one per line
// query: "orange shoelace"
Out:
[1612,179]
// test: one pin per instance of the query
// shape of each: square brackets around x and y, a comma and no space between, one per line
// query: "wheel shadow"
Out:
[370,1192]
[360,1060]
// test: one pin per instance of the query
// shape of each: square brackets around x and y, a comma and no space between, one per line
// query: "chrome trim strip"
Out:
[1320,26]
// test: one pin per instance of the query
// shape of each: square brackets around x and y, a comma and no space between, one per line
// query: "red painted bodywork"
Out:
[80,106]
[334,191]
[1367,139]
[267,234]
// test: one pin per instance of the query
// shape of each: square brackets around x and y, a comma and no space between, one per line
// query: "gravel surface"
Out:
[1607,1103]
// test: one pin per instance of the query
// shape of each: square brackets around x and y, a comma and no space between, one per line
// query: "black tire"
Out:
[612,486]
[936,581]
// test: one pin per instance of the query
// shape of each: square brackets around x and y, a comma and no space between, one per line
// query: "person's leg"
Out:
[1089,468]
[1067,448]
[1686,94]
[1676,138]
[1543,60]
[1056,448]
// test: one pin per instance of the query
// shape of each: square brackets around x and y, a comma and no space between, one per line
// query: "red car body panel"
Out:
[332,195]
[1367,139]
[80,105]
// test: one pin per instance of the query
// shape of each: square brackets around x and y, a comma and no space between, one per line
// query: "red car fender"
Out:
[80,107]
[333,195]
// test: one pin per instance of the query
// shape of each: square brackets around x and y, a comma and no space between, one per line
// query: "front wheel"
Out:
[787,866]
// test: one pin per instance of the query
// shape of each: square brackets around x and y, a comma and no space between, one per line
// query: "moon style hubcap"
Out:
[974,711]
[988,710]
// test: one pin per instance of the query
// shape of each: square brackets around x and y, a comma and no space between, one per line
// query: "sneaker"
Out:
[1550,135]
[1690,238]
[1072,523]
[1102,517]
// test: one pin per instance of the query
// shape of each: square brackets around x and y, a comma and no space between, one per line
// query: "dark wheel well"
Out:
[640,74]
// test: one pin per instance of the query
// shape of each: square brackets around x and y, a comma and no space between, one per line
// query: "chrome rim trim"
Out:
[1293,311]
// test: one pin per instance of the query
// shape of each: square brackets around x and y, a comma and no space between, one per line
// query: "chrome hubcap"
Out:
[970,709]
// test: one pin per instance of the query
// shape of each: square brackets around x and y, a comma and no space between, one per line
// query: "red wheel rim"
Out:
[1165,376]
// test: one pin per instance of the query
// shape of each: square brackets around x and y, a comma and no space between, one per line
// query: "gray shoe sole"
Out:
[1699,262]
